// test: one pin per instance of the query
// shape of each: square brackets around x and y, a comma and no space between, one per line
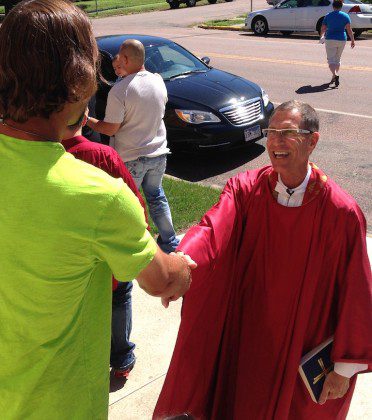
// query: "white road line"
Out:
[331,111]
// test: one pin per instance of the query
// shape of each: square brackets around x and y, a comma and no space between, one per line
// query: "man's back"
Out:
[138,102]
[59,241]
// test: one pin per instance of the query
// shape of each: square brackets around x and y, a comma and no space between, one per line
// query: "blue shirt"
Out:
[336,22]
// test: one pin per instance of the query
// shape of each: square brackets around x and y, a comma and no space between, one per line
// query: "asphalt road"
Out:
[286,68]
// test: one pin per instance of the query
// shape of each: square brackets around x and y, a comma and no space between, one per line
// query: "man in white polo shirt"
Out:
[134,120]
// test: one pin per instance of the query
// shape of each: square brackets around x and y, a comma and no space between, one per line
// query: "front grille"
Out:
[243,113]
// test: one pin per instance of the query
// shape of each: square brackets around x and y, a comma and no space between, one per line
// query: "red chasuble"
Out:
[272,283]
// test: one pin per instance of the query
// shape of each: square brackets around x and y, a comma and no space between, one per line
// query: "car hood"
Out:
[213,89]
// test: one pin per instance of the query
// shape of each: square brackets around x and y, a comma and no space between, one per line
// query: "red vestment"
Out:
[272,283]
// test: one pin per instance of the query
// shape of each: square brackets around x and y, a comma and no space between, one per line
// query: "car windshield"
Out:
[171,61]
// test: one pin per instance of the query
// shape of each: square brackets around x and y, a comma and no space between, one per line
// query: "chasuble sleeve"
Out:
[209,239]
[353,338]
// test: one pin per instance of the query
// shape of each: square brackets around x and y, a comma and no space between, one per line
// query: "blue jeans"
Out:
[121,326]
[148,173]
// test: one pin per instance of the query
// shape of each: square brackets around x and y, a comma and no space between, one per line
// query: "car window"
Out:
[170,59]
[289,4]
[107,71]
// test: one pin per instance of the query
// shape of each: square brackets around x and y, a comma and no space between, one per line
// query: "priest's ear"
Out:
[313,141]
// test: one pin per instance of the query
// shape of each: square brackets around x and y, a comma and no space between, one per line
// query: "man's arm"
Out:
[323,30]
[167,276]
[114,116]
[110,129]
[351,35]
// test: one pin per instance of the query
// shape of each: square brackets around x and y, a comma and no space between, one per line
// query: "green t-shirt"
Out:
[65,226]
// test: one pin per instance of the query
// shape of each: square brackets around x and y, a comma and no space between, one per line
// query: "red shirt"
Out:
[105,158]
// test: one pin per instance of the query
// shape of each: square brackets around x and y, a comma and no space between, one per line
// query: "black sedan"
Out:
[207,108]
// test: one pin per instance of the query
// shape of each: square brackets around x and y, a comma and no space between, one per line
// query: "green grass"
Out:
[239,20]
[124,7]
[188,202]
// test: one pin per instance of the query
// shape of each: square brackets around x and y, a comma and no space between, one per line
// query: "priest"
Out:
[282,266]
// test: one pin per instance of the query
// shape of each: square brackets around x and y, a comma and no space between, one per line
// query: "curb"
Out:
[201,183]
[225,28]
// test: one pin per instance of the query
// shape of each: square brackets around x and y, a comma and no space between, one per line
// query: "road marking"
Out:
[279,61]
[331,111]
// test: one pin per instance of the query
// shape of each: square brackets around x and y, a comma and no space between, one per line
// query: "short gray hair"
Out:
[309,117]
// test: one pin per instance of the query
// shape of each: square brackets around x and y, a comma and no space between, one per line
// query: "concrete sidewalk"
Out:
[154,332]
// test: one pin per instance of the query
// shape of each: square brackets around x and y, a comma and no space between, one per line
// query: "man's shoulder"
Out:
[120,86]
[340,200]
[81,178]
[247,180]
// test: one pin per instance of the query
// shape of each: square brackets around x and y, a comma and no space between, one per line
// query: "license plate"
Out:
[252,133]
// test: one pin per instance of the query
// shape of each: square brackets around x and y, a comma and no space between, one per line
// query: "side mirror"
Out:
[206,60]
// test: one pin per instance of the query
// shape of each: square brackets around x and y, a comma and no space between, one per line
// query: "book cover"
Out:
[315,366]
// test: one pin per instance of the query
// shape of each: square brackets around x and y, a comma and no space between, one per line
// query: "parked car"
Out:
[207,108]
[306,16]
[175,4]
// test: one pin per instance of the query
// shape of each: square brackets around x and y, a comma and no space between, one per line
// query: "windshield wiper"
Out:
[185,74]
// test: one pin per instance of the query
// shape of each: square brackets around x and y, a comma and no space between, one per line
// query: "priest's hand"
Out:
[335,386]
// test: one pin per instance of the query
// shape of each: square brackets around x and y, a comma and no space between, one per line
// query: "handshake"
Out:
[168,276]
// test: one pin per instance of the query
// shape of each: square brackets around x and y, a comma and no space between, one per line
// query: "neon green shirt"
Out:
[65,226]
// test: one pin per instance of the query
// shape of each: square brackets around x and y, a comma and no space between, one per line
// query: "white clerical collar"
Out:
[281,187]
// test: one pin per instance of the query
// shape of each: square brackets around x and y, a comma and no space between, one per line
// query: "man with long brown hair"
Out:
[64,225]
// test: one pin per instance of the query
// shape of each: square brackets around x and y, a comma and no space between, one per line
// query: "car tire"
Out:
[357,33]
[259,26]
[287,33]
[190,3]
[228,1]
[319,25]
[174,4]
[212,1]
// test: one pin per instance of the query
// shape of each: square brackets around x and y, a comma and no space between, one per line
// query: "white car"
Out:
[306,16]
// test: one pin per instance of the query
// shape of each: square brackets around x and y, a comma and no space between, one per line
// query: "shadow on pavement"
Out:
[197,167]
[312,89]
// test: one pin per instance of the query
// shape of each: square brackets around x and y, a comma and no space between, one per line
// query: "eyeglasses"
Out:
[289,133]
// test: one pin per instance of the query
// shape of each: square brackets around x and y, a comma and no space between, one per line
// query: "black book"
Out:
[315,366]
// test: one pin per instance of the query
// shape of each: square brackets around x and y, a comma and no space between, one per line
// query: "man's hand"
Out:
[335,386]
[177,289]
[167,276]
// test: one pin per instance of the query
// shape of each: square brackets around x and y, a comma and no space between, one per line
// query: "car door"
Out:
[308,16]
[283,16]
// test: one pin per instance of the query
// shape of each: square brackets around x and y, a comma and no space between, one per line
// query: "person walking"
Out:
[333,33]
[134,120]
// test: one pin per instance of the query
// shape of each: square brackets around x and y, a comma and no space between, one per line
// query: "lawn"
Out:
[124,7]
[188,202]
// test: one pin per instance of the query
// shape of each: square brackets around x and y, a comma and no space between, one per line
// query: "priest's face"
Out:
[289,150]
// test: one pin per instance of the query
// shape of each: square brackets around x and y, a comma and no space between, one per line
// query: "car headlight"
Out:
[196,117]
[265,98]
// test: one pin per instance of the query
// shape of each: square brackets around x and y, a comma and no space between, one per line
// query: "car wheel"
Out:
[259,26]
[357,33]
[287,33]
[319,25]
[212,1]
[174,4]
[190,3]
[228,1]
